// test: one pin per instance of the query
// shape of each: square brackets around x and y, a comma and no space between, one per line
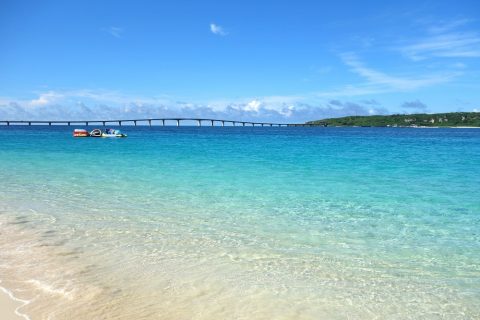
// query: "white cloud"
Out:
[45,99]
[445,39]
[459,65]
[253,106]
[115,31]
[449,45]
[218,30]
[92,105]
[377,82]
[445,26]
[393,83]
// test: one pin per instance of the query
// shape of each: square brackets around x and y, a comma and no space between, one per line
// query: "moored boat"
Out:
[98,133]
[80,133]
[113,133]
[108,133]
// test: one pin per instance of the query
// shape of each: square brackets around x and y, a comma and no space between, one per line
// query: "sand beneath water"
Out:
[8,307]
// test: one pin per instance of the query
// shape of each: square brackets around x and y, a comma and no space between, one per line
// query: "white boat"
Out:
[108,133]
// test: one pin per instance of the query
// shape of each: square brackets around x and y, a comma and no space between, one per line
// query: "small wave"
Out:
[24,303]
[50,289]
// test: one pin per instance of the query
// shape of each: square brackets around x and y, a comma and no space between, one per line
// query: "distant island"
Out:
[452,119]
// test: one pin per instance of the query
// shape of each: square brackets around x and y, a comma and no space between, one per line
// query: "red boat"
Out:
[80,133]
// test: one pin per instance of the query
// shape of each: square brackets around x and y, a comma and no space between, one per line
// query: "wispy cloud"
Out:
[377,82]
[392,83]
[449,45]
[371,102]
[437,27]
[218,30]
[449,39]
[115,31]
[416,105]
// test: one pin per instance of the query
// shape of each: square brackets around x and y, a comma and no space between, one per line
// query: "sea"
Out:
[241,223]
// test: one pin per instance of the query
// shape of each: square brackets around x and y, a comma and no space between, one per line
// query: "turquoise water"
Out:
[242,223]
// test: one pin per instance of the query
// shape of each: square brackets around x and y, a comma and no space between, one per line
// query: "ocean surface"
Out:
[241,223]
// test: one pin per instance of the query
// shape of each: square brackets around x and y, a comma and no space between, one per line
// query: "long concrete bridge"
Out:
[159,121]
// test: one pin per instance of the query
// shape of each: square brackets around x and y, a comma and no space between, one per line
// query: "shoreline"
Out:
[10,305]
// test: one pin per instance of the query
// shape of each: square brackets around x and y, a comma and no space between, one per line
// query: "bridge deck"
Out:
[177,122]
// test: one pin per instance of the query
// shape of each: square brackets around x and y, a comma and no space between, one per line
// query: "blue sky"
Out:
[252,60]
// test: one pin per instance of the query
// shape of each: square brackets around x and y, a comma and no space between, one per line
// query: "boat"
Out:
[80,133]
[98,133]
[113,133]
[108,133]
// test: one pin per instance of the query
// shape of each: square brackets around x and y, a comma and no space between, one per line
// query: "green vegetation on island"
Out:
[452,119]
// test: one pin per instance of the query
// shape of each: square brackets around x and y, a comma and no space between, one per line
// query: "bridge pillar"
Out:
[233,123]
[103,123]
[199,122]
[150,123]
[243,124]
[163,122]
[178,123]
[135,123]
[212,122]
[119,123]
[223,123]
[8,123]
[49,123]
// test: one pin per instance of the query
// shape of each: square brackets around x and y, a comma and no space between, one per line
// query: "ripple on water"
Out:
[222,225]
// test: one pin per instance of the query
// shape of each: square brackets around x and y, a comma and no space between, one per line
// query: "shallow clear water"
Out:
[242,223]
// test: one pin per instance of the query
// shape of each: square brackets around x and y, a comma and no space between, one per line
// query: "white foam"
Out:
[50,289]
[24,303]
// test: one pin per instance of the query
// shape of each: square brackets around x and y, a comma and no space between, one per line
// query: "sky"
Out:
[286,61]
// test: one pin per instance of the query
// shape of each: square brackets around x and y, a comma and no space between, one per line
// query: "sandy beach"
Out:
[8,307]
